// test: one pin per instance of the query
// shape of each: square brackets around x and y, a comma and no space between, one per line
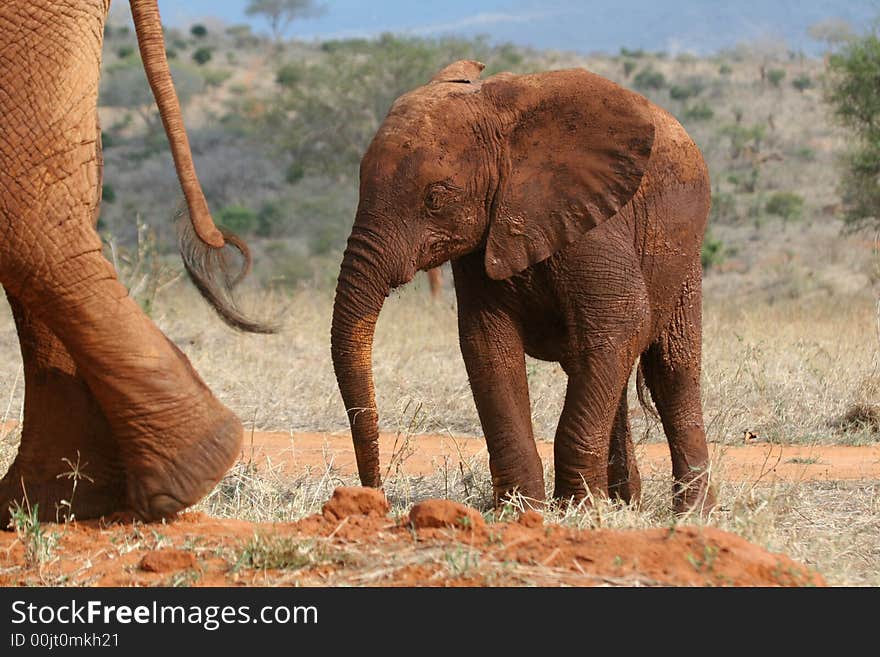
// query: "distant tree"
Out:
[854,95]
[199,31]
[281,13]
[833,31]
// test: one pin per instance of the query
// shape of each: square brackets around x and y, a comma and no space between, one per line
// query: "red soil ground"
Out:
[439,543]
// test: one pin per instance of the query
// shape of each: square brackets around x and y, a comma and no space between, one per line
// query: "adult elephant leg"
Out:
[623,471]
[174,438]
[81,463]
[495,360]
[672,372]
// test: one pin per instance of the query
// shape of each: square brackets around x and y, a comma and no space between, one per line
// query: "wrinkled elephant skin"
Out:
[115,417]
[573,212]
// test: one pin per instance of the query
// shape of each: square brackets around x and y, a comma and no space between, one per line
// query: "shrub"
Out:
[787,205]
[108,194]
[202,56]
[295,172]
[124,52]
[711,253]
[649,79]
[199,31]
[238,219]
[170,53]
[628,67]
[802,82]
[289,76]
[725,69]
[635,54]
[775,76]
[678,92]
[698,112]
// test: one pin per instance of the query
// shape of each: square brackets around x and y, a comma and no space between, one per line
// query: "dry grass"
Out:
[787,367]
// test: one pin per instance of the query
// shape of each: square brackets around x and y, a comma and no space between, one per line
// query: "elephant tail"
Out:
[644,394]
[215,274]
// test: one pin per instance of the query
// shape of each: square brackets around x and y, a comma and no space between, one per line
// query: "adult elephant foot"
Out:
[68,463]
[166,476]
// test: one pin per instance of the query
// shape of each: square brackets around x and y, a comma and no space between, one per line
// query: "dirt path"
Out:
[356,541]
[424,454]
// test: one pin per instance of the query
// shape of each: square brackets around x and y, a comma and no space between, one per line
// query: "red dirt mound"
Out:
[445,513]
[167,561]
[354,542]
[355,501]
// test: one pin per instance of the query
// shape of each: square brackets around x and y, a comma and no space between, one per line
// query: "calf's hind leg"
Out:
[672,371]
[623,471]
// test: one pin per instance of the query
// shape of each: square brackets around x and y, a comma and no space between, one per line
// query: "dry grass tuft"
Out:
[859,417]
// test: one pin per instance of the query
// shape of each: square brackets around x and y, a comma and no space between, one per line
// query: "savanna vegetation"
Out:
[278,128]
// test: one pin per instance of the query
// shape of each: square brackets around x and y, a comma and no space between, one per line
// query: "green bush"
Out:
[199,31]
[689,89]
[679,92]
[295,172]
[635,54]
[202,56]
[124,52]
[238,219]
[289,76]
[725,69]
[649,79]
[711,253]
[108,194]
[787,205]
[802,82]
[775,76]
[698,112]
[628,67]
[170,53]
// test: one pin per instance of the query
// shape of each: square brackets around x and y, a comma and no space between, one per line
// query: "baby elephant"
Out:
[573,212]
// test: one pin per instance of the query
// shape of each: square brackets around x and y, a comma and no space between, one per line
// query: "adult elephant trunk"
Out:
[206,264]
[364,283]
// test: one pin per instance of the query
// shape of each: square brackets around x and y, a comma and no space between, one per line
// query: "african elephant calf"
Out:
[573,212]
[109,399]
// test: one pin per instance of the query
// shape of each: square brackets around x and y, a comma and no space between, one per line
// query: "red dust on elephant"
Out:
[573,212]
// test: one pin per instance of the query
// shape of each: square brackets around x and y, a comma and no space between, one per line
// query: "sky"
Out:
[697,26]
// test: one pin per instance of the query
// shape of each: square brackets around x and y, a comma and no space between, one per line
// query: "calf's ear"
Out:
[577,151]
